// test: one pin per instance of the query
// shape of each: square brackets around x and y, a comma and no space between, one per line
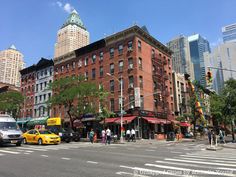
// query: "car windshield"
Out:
[45,132]
[8,125]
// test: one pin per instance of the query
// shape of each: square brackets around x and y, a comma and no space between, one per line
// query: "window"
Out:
[62,68]
[44,97]
[153,53]
[111,52]
[141,82]
[93,58]
[86,61]
[73,65]
[112,105]
[49,95]
[112,69]
[139,45]
[93,73]
[41,86]
[40,97]
[79,63]
[131,82]
[67,67]
[41,73]
[36,100]
[51,71]
[112,85]
[86,76]
[101,71]
[141,102]
[101,55]
[120,49]
[45,72]
[131,101]
[140,64]
[121,65]
[155,86]
[130,61]
[37,87]
[130,45]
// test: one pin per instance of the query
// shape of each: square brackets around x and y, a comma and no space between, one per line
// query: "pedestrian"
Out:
[128,135]
[91,136]
[213,137]
[209,134]
[103,136]
[133,134]
[221,134]
[108,134]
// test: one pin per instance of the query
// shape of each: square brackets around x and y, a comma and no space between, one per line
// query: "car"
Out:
[41,137]
[66,134]
[9,131]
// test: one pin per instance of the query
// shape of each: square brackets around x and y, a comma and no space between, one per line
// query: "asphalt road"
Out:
[141,159]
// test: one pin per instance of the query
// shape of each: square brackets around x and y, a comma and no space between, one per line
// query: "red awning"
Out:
[109,120]
[126,120]
[184,124]
[154,120]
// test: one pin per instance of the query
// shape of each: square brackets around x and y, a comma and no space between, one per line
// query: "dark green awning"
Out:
[38,121]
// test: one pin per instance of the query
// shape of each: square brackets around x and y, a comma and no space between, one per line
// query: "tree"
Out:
[11,102]
[77,96]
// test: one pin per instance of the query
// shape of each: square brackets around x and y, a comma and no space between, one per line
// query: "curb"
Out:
[214,148]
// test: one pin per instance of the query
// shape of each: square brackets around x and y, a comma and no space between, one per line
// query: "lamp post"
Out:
[121,105]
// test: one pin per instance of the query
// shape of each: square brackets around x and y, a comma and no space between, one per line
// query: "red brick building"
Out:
[27,90]
[132,54]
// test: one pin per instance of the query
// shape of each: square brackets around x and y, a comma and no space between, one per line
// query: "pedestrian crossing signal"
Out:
[209,77]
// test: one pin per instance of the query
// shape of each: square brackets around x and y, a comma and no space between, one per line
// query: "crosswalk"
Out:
[197,164]
[29,149]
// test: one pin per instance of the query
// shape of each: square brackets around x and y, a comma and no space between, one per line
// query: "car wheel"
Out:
[24,141]
[18,144]
[40,142]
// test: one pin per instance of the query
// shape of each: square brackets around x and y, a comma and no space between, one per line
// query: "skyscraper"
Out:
[11,62]
[181,61]
[198,45]
[229,33]
[71,36]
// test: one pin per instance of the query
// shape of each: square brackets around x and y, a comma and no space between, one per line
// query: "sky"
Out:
[32,25]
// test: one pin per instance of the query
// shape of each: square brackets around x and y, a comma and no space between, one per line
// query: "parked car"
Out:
[41,137]
[67,135]
[9,131]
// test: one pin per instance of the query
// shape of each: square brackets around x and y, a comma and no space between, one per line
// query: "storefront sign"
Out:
[54,121]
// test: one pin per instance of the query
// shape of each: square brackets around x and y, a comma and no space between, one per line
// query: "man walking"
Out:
[108,133]
[209,134]
[128,135]
[91,136]
[133,134]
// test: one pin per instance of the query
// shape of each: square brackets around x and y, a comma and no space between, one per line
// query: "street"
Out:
[141,158]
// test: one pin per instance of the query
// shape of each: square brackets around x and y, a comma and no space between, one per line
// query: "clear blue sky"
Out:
[32,25]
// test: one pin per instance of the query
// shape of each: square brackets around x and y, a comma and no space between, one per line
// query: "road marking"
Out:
[92,162]
[211,160]
[175,152]
[36,149]
[29,151]
[207,163]
[193,171]
[10,152]
[44,155]
[65,158]
[208,157]
[149,171]
[2,154]
[150,150]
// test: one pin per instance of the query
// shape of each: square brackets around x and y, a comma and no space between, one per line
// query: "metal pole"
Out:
[121,110]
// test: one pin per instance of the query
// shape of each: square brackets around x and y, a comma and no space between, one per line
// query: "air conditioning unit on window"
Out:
[131,85]
[130,49]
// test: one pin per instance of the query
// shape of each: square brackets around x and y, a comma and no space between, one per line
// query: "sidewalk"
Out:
[229,145]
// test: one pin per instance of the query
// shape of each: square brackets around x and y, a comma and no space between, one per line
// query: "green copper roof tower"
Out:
[74,19]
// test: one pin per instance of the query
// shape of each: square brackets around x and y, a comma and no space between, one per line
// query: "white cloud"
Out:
[59,3]
[68,8]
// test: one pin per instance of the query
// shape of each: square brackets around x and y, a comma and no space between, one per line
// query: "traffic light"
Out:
[209,76]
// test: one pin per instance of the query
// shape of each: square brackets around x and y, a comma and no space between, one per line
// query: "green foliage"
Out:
[11,102]
[79,97]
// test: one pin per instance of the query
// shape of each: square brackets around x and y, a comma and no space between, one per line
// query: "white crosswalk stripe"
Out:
[197,164]
[29,149]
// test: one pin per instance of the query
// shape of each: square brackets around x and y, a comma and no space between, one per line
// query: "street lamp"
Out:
[121,105]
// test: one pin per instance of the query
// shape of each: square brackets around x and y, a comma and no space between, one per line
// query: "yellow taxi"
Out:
[40,137]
